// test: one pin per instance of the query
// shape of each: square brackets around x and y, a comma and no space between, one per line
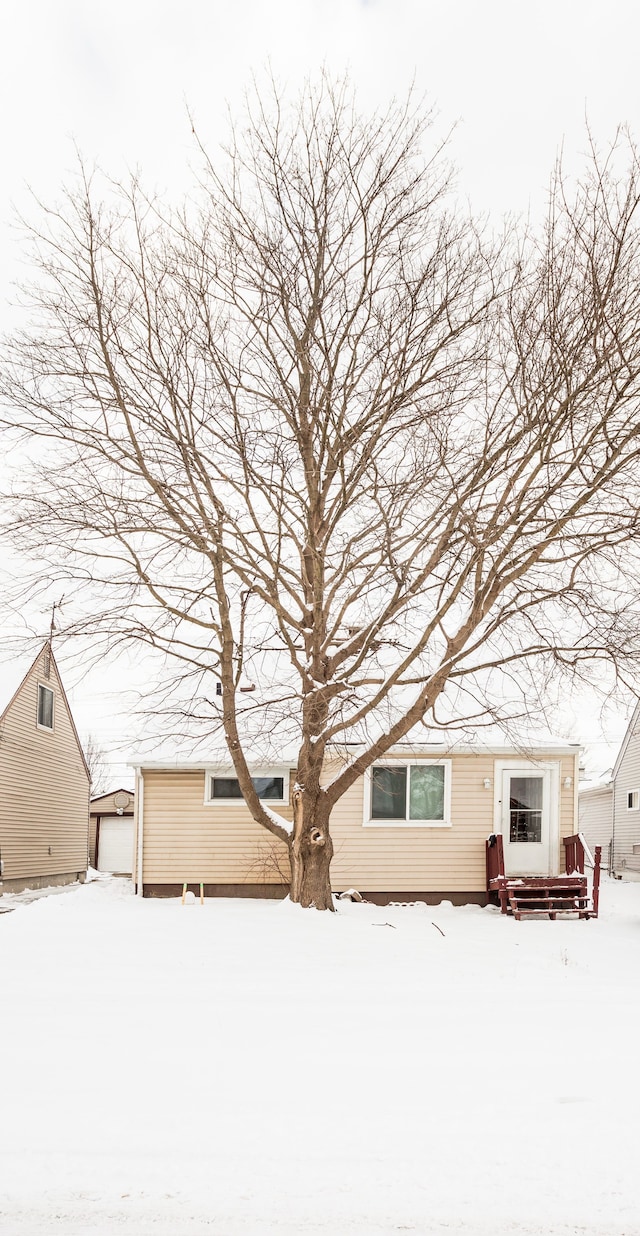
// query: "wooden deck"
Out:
[544,896]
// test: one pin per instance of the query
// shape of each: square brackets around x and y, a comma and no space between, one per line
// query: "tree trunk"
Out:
[310,854]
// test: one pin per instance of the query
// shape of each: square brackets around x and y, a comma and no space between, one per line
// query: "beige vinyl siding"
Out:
[432,859]
[184,840]
[568,816]
[410,859]
[44,804]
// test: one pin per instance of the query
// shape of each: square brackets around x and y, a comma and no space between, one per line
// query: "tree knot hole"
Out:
[316,836]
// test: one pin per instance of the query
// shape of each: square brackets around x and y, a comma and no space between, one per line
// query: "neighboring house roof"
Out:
[599,787]
[119,789]
[23,679]
[631,728]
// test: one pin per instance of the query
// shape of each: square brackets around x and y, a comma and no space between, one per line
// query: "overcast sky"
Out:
[517,81]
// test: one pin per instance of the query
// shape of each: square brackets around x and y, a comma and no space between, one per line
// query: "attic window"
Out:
[633,800]
[269,786]
[45,707]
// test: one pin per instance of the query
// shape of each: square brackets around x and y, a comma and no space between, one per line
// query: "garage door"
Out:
[115,844]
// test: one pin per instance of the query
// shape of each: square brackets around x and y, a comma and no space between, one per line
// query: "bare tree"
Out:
[97,764]
[313,433]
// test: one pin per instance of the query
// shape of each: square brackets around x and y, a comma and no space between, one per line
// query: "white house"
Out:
[609,813]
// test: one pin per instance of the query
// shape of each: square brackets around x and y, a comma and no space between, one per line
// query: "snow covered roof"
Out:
[600,786]
[183,756]
[288,759]
[119,789]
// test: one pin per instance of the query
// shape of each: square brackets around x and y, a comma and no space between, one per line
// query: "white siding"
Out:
[595,818]
[626,823]
[105,805]
[115,844]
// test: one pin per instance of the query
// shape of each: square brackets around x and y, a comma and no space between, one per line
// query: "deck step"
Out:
[547,896]
[557,886]
[544,896]
[558,883]
[521,913]
[530,895]
[552,903]
[548,901]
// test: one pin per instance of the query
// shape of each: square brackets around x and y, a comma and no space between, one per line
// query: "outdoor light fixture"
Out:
[487,783]
[568,783]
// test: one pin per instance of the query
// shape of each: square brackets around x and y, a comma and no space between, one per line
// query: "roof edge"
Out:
[541,749]
[47,644]
[625,741]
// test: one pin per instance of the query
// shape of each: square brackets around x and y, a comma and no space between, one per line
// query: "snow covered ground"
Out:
[249,1067]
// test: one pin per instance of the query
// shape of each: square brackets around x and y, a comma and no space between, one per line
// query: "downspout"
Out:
[139,831]
[576,795]
[612,866]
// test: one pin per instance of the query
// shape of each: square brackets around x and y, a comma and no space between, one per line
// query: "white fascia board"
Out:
[138,763]
[595,790]
[541,748]
[397,752]
[625,741]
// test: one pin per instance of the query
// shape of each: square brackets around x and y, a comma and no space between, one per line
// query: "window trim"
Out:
[211,773]
[404,762]
[630,794]
[47,729]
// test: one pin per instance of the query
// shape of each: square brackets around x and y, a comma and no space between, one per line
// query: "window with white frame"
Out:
[633,800]
[271,786]
[416,793]
[45,707]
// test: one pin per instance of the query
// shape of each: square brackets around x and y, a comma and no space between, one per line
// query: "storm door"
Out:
[526,821]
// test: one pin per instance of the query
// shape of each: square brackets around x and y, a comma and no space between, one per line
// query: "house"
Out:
[414,827]
[612,810]
[595,817]
[44,805]
[111,832]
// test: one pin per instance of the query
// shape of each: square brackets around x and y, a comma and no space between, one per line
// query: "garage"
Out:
[115,844]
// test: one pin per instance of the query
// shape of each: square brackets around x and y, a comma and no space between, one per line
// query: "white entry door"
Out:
[115,844]
[526,818]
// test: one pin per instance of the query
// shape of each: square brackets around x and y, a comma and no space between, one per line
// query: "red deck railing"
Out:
[494,854]
[573,854]
[576,853]
[495,857]
[595,895]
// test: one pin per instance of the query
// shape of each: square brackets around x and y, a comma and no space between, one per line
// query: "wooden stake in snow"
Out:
[192,897]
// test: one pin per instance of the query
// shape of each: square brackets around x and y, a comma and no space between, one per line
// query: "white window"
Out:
[409,793]
[633,800]
[45,707]
[271,786]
